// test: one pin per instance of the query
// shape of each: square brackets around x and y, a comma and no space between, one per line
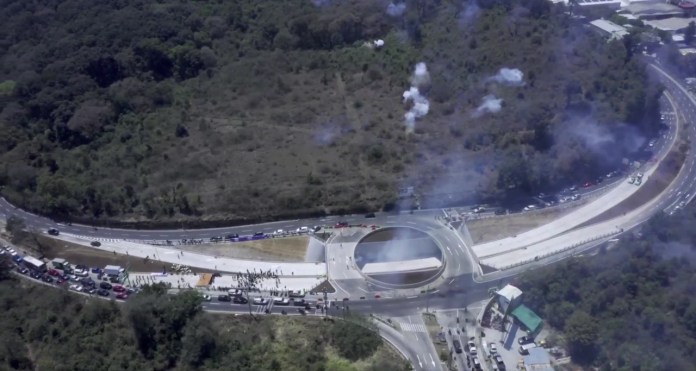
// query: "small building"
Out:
[646,10]
[113,270]
[508,297]
[35,264]
[538,360]
[609,29]
[527,318]
[59,263]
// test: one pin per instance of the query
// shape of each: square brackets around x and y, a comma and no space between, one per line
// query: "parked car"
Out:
[224,298]
[95,243]
[118,288]
[103,292]
[47,279]
[122,296]
[53,272]
[471,347]
[370,215]
[260,301]
[457,346]
[525,340]
[53,232]
[105,285]
[22,270]
[206,297]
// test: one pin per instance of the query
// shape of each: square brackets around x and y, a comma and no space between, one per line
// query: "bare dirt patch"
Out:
[288,249]
[486,230]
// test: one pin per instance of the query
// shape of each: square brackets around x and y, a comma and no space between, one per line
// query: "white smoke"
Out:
[489,104]
[396,10]
[421,105]
[469,13]
[509,76]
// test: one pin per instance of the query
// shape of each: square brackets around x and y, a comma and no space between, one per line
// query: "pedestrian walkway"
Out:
[412,327]
[192,259]
[190,281]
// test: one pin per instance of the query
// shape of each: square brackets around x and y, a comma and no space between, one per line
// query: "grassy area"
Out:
[491,229]
[290,249]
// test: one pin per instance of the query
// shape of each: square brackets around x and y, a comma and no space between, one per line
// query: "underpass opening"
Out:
[399,257]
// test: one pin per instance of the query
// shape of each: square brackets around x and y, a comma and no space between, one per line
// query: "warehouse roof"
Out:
[509,292]
[610,27]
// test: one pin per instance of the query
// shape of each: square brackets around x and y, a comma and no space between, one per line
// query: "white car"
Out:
[279,232]
[302,230]
[494,349]
[206,297]
[472,347]
[76,287]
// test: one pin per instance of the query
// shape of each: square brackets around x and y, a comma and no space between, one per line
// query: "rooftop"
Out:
[610,27]
[649,8]
[537,360]
[670,24]
[528,318]
[510,292]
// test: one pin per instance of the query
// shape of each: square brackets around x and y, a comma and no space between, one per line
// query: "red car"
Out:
[53,272]
[587,185]
[341,225]
[122,296]
[118,288]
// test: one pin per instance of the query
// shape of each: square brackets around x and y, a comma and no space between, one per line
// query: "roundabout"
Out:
[399,257]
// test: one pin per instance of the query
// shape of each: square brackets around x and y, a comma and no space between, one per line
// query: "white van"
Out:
[524,349]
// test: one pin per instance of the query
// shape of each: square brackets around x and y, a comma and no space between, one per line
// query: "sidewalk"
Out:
[212,263]
[189,281]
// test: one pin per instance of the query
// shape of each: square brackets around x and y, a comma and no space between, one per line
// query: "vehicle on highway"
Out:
[215,239]
[302,230]
[258,234]
[95,243]
[206,297]
[53,232]
[103,292]
[224,298]
[260,301]
[281,301]
[279,232]
[105,285]
[317,228]
[232,236]
[301,311]
[240,300]
[341,225]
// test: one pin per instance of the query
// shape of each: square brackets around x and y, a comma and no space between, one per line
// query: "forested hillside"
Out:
[48,329]
[176,110]
[631,308]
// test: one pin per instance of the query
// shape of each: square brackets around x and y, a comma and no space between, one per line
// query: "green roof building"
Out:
[527,318]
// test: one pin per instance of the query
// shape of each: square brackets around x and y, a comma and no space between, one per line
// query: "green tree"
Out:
[581,333]
[17,228]
[355,341]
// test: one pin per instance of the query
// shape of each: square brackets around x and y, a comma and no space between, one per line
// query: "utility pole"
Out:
[427,299]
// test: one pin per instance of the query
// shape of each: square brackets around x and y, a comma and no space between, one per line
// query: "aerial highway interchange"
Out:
[461,281]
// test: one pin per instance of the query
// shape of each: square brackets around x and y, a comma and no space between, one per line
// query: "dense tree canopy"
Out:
[49,329]
[629,308]
[142,109]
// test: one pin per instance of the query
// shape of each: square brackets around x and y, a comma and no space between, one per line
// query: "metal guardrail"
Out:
[560,251]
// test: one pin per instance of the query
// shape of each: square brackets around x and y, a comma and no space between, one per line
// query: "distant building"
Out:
[650,10]
[537,360]
[609,29]
[508,297]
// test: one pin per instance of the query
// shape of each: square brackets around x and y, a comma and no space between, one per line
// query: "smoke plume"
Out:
[489,104]
[466,16]
[421,105]
[509,76]
[396,10]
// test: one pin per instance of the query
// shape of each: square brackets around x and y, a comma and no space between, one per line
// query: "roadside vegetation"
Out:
[48,329]
[630,308]
[173,110]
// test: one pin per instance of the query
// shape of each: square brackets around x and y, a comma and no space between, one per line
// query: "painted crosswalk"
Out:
[412,327]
